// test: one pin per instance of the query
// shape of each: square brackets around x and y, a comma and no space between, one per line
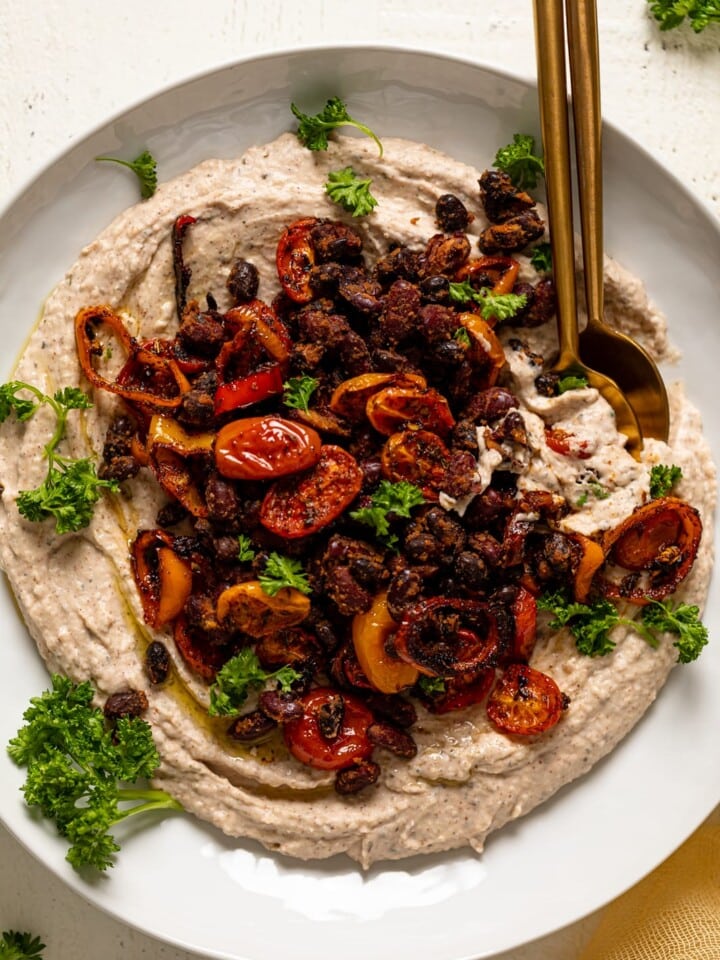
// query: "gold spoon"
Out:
[613,352]
[552,90]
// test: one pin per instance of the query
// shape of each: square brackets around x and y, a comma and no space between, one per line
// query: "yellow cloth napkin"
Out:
[673,914]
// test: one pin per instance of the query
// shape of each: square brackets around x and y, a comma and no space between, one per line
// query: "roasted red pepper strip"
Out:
[248,390]
[142,365]
[163,579]
[182,272]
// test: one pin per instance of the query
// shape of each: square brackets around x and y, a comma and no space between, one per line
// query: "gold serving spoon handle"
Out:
[552,90]
[608,350]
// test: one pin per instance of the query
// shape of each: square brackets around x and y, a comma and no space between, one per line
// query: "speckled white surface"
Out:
[66,65]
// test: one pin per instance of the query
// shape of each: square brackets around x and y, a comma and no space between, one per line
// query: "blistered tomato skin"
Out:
[307,744]
[264,448]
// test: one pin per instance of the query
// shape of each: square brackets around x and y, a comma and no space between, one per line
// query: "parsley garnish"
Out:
[281,572]
[663,478]
[241,674]
[313,130]
[75,765]
[519,162]
[298,390]
[541,258]
[591,624]
[350,192]
[671,13]
[502,306]
[71,487]
[246,551]
[20,946]
[396,499]
[432,686]
[571,383]
[462,336]
[144,167]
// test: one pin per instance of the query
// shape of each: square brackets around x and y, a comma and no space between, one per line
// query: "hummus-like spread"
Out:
[77,593]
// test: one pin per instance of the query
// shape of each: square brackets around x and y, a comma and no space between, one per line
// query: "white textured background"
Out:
[66,65]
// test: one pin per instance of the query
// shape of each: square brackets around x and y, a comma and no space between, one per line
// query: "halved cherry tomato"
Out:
[661,537]
[350,398]
[295,258]
[525,701]
[200,654]
[247,608]
[262,448]
[299,506]
[419,457]
[566,443]
[391,408]
[461,693]
[486,350]
[163,579]
[175,477]
[524,612]
[448,637]
[370,631]
[248,390]
[308,745]
[502,271]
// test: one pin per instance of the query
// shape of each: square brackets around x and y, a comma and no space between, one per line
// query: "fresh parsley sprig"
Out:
[541,258]
[501,306]
[663,478]
[571,383]
[20,946]
[246,551]
[241,674]
[352,193]
[390,499]
[591,624]
[76,768]
[144,166]
[71,487]
[313,129]
[671,13]
[519,161]
[298,390]
[281,572]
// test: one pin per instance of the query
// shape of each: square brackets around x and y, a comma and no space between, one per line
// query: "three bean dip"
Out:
[357,516]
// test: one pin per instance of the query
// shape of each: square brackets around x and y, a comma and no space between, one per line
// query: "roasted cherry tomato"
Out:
[524,613]
[662,537]
[460,693]
[351,396]
[295,259]
[486,350]
[200,654]
[394,407]
[566,443]
[592,557]
[299,506]
[305,740]
[247,608]
[448,637]
[419,457]
[370,632]
[248,390]
[163,579]
[262,448]
[525,701]
[174,475]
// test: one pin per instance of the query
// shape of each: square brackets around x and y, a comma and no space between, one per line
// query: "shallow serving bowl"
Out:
[182,881]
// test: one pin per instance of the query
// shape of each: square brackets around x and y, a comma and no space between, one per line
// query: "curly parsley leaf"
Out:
[20,946]
[144,166]
[681,619]
[281,572]
[313,129]
[298,390]
[241,674]
[501,306]
[77,767]
[462,336]
[590,625]
[246,551]
[541,258]
[432,686]
[352,193]
[663,478]
[519,162]
[671,13]
[571,383]
[71,487]
[390,499]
